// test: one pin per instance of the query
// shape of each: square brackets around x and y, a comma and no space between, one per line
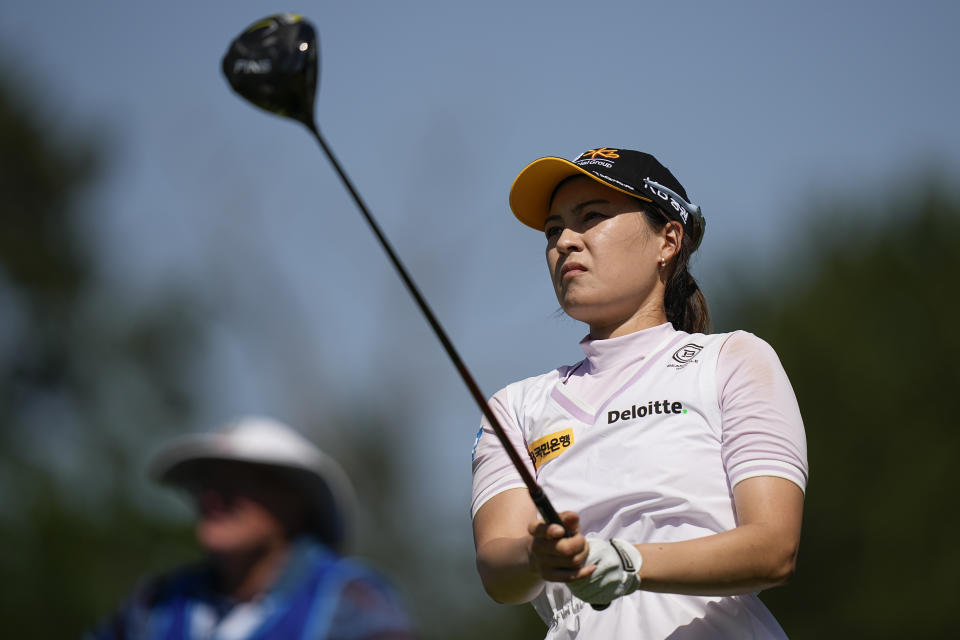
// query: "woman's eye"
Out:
[552,232]
[593,216]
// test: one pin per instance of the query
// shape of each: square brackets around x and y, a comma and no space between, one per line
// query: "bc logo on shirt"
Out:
[685,355]
[549,446]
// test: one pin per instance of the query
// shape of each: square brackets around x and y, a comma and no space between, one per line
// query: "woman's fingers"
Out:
[575,548]
[559,558]
[540,529]
[567,575]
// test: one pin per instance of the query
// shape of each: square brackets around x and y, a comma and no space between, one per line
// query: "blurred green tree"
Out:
[84,375]
[867,337]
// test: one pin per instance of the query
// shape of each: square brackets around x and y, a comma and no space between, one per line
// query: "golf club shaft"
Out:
[536,493]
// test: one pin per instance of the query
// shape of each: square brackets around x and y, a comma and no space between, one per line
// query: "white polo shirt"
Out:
[645,439]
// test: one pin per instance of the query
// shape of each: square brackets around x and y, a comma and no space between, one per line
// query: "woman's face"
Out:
[604,258]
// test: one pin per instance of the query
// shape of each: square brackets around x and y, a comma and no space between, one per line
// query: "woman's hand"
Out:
[559,558]
[517,552]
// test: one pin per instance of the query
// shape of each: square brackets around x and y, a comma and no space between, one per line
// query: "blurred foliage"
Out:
[867,335]
[83,376]
[86,375]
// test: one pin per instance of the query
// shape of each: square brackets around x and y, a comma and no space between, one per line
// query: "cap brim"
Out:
[532,189]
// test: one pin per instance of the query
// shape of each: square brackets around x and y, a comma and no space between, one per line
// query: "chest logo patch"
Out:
[549,446]
[685,355]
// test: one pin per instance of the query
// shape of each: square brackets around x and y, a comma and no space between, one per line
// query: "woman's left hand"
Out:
[556,557]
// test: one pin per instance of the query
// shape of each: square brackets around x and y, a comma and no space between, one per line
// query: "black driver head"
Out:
[273,64]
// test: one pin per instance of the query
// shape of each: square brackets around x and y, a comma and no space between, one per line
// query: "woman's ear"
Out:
[672,240]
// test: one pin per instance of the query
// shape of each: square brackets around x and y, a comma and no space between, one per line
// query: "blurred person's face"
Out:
[243,508]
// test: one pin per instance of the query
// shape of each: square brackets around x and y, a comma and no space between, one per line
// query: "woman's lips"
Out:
[571,270]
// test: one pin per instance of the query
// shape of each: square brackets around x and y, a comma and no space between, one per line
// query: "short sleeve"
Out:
[763,433]
[493,472]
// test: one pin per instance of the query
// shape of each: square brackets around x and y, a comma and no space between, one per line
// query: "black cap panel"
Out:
[634,173]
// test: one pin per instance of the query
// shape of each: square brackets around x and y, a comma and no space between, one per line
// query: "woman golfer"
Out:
[679,455]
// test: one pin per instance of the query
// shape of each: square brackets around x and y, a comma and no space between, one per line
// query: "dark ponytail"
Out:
[683,302]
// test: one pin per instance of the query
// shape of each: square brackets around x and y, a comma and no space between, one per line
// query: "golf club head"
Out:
[273,64]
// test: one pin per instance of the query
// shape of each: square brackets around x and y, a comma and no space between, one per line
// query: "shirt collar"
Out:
[610,352]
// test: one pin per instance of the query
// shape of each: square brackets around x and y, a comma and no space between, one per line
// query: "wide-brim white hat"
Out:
[266,442]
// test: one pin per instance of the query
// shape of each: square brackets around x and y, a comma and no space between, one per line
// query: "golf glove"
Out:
[617,573]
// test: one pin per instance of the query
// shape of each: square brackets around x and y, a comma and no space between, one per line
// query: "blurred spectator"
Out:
[272,518]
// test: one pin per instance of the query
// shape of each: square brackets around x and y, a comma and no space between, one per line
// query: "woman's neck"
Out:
[650,315]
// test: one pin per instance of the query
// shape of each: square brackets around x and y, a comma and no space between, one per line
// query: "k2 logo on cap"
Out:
[602,152]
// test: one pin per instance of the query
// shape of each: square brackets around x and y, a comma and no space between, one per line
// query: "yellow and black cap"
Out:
[634,173]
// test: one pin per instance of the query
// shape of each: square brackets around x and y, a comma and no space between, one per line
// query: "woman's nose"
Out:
[569,240]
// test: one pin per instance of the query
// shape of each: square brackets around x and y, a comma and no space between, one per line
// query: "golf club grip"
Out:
[540,499]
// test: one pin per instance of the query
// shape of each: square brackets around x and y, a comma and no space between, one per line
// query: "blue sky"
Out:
[759,108]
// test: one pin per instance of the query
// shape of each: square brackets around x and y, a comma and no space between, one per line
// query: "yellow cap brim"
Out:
[533,187]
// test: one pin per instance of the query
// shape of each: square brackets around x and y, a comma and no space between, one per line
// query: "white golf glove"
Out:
[617,573]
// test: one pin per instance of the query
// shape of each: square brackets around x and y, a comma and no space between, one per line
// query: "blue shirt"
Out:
[318,596]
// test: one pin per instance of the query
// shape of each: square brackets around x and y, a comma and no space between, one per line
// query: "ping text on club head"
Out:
[246,65]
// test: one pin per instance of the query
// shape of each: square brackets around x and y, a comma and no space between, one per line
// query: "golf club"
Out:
[273,64]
